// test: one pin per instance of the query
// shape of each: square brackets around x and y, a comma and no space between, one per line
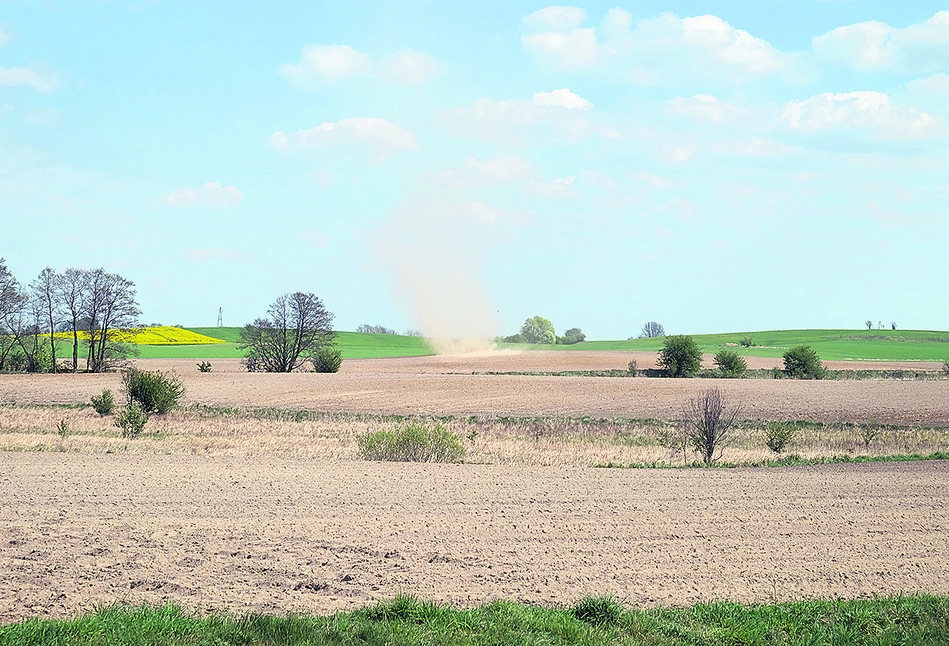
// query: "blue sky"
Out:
[459,167]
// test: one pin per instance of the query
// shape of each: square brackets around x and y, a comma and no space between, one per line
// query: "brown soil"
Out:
[277,536]
[445,386]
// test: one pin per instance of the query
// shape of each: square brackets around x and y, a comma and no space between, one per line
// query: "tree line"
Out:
[92,304]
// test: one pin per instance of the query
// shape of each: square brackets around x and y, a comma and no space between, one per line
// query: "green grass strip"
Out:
[921,620]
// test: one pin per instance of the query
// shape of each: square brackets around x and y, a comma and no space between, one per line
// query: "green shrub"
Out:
[680,356]
[778,435]
[204,366]
[416,442]
[327,359]
[103,404]
[747,342]
[63,428]
[731,364]
[572,336]
[131,420]
[154,392]
[598,611]
[802,362]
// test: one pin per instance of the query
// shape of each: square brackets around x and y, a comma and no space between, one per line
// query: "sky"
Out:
[458,167]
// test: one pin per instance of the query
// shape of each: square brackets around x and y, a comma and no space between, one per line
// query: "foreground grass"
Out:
[831,345]
[896,620]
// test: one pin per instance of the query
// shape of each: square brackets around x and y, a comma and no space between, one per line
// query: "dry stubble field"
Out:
[260,522]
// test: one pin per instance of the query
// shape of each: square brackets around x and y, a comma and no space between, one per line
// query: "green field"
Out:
[878,345]
[839,345]
[592,622]
[352,344]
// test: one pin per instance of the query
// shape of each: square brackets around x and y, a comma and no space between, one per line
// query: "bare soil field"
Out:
[446,386]
[287,535]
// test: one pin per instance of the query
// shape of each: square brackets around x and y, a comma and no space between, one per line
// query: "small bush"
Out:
[131,420]
[778,435]
[328,359]
[708,423]
[103,404]
[731,364]
[802,362]
[154,392]
[412,443]
[680,356]
[945,368]
[633,368]
[204,366]
[598,611]
[747,342]
[63,428]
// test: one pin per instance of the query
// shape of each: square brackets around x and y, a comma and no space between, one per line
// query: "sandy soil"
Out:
[445,385]
[274,535]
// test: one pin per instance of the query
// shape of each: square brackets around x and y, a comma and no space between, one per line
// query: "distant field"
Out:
[831,345]
[353,345]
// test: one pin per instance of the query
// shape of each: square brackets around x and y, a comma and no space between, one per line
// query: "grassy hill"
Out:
[881,345]
[352,344]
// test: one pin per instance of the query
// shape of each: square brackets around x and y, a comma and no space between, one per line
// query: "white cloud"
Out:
[935,84]
[211,194]
[41,81]
[410,67]
[561,187]
[658,183]
[43,117]
[332,62]
[704,107]
[379,137]
[500,168]
[556,17]
[873,45]
[336,62]
[663,50]
[562,98]
[867,113]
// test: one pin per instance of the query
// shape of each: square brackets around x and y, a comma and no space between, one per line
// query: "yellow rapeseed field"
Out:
[157,335]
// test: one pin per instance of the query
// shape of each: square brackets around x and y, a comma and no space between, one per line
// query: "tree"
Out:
[111,306]
[893,325]
[731,364]
[869,324]
[46,291]
[651,330]
[12,300]
[680,356]
[572,336]
[802,362]
[538,330]
[297,326]
[72,294]
[707,423]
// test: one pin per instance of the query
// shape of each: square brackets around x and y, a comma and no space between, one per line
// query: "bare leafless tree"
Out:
[296,327]
[116,308]
[12,300]
[45,293]
[707,422]
[73,291]
[651,330]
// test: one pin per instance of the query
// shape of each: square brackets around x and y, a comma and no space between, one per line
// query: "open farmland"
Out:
[236,503]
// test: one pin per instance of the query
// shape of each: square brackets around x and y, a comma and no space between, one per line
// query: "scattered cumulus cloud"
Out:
[556,17]
[560,187]
[562,98]
[39,80]
[331,62]
[380,137]
[935,84]
[410,67]
[874,45]
[870,113]
[652,50]
[211,194]
[43,117]
[704,107]
[337,62]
